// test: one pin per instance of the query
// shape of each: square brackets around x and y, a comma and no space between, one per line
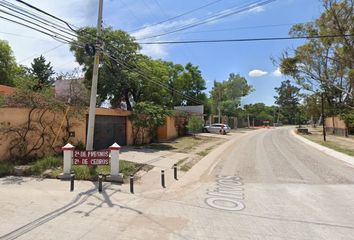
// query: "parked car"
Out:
[220,128]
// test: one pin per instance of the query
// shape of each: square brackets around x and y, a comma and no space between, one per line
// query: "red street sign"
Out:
[91,157]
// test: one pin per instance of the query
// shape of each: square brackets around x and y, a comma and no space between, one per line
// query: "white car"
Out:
[220,128]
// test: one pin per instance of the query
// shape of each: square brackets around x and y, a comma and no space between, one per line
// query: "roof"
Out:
[6,90]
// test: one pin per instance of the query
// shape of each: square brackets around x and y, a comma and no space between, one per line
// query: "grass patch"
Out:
[337,148]
[186,167]
[333,144]
[50,162]
[91,173]
[6,169]
[205,152]
[181,161]
[160,146]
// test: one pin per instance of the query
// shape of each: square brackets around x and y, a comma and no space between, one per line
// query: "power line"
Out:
[45,52]
[35,24]
[244,27]
[38,30]
[46,13]
[247,39]
[175,17]
[35,17]
[218,16]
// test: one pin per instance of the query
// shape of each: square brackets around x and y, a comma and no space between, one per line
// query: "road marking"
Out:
[227,194]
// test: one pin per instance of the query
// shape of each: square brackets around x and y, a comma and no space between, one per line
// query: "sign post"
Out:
[108,156]
[115,176]
[68,150]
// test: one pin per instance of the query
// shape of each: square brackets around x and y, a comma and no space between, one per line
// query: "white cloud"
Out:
[156,50]
[257,73]
[277,72]
[257,9]
[30,44]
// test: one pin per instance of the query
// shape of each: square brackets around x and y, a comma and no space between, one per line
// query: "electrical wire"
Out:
[37,54]
[218,16]
[36,18]
[48,14]
[244,27]
[38,30]
[175,17]
[37,25]
[247,39]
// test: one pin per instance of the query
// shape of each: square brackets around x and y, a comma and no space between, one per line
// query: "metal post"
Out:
[163,178]
[100,183]
[92,111]
[323,118]
[72,178]
[131,183]
[175,171]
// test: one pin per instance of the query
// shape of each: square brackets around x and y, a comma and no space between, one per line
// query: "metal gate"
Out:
[108,130]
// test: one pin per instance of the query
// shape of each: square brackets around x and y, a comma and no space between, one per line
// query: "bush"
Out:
[6,169]
[45,163]
[195,124]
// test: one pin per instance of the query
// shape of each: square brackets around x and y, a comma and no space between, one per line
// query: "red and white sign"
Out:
[91,157]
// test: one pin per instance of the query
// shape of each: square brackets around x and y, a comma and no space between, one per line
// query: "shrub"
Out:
[6,169]
[195,124]
[46,163]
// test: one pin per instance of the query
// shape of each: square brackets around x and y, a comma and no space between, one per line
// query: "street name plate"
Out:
[91,157]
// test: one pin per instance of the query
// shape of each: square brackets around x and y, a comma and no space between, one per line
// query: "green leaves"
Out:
[288,100]
[227,95]
[8,66]
[195,124]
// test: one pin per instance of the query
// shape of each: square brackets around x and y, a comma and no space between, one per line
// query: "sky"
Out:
[253,60]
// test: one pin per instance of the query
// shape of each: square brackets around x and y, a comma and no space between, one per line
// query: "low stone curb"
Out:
[333,153]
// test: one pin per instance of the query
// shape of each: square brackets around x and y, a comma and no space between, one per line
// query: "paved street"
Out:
[262,185]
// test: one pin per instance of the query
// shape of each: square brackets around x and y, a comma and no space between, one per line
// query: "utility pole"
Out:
[92,111]
[323,118]
[248,120]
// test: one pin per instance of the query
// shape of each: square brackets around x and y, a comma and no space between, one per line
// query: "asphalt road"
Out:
[262,185]
[275,156]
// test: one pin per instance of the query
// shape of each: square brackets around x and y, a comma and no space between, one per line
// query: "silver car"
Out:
[220,128]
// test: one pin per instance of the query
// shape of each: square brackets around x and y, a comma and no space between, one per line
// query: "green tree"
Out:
[288,100]
[116,80]
[147,117]
[8,66]
[195,124]
[259,112]
[42,73]
[326,64]
[227,95]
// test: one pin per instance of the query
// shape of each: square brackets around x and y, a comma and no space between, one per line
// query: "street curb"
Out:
[333,153]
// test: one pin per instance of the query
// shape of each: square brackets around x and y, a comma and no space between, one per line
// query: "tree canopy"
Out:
[8,66]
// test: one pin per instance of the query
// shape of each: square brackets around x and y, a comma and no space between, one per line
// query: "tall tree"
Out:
[288,100]
[8,66]
[326,64]
[42,73]
[116,81]
[227,95]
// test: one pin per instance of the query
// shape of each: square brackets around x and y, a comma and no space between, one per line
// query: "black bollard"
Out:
[163,178]
[100,183]
[175,171]
[131,183]
[72,178]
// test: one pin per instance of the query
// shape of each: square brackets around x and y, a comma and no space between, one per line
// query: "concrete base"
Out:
[65,176]
[116,178]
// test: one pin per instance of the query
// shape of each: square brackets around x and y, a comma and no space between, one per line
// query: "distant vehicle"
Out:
[220,128]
